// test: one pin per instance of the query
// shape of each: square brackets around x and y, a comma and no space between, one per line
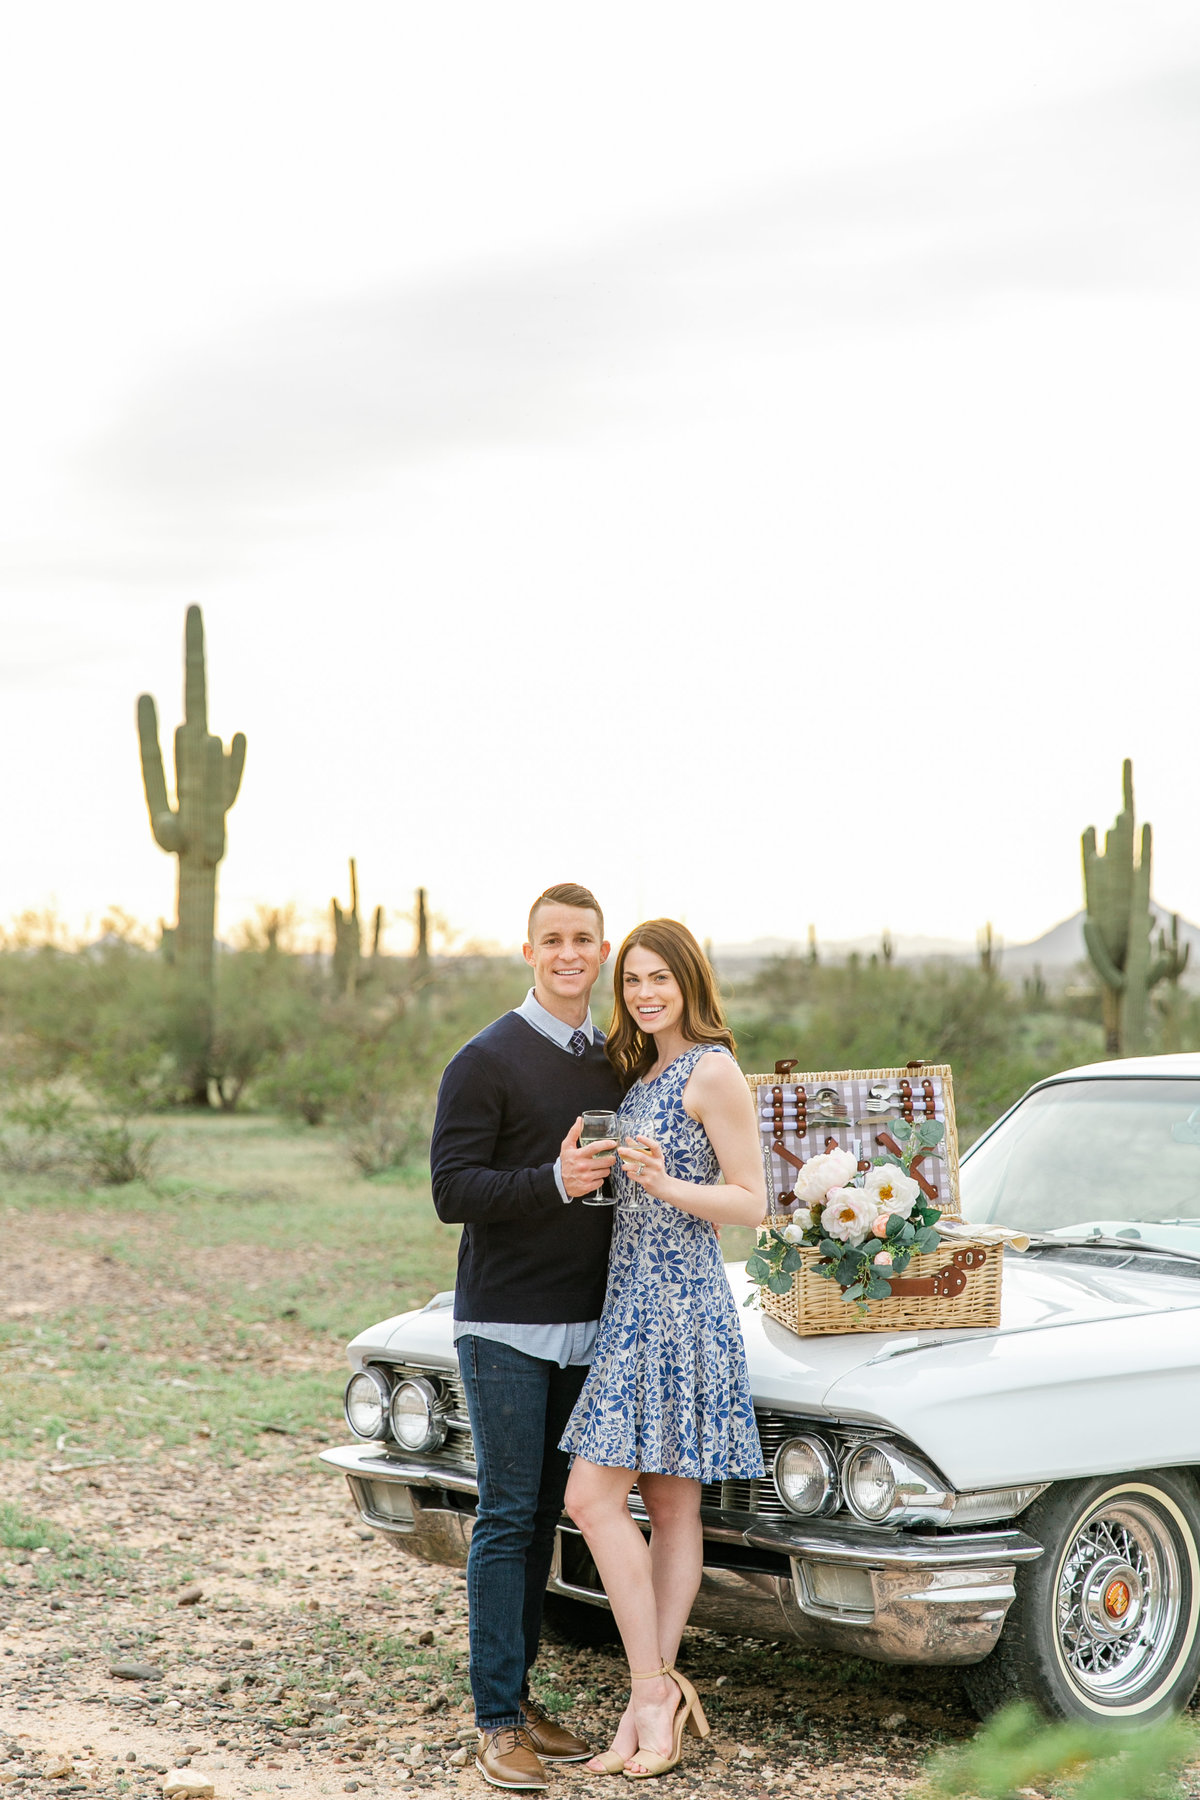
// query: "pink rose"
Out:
[879,1228]
[883,1259]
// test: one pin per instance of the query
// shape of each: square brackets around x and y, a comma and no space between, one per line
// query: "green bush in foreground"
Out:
[1017,1751]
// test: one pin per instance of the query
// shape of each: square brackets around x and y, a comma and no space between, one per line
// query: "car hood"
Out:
[1091,1368]
[1039,1295]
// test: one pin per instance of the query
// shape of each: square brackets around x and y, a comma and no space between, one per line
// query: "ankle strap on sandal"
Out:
[654,1674]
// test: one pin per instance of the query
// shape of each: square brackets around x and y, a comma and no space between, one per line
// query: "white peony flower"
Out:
[892,1190]
[821,1173]
[849,1214]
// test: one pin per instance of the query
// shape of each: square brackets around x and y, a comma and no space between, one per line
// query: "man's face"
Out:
[566,952]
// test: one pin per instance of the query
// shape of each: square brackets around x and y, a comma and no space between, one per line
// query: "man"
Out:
[531,1279]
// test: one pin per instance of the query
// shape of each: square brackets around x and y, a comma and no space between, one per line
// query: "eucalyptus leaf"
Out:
[895,1226]
[930,1132]
[854,1293]
[927,1241]
[793,1260]
[879,1289]
[780,1284]
[901,1260]
[757,1269]
[831,1248]
[900,1129]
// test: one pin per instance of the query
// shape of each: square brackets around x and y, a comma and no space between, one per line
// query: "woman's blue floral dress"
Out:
[668,1391]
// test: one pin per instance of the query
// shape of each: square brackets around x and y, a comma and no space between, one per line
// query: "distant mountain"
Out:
[908,949]
[1060,948]
[1056,952]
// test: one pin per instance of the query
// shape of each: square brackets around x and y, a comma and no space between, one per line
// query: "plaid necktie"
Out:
[578,1043]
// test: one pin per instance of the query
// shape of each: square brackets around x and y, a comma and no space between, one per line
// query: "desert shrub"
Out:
[863,1015]
[267,1005]
[1017,1752]
[391,1134]
[110,1155]
[47,1130]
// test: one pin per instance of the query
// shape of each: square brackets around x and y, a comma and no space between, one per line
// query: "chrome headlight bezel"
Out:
[918,1495]
[830,1498]
[434,1434]
[379,1382]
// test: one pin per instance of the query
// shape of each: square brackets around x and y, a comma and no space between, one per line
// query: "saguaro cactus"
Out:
[207,779]
[347,940]
[1118,924]
[422,944]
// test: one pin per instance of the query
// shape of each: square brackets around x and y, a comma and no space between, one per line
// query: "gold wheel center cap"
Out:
[1116,1599]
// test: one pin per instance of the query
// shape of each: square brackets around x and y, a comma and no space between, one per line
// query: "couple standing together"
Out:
[599,1340]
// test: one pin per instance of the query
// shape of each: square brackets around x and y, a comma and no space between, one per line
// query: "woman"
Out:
[667,1402]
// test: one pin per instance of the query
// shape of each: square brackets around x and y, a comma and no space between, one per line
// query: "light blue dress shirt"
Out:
[572,1344]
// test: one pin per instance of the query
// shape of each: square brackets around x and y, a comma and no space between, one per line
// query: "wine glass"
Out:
[630,1162]
[596,1127]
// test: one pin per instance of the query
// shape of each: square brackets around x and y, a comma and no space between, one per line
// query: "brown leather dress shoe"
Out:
[551,1742]
[507,1759]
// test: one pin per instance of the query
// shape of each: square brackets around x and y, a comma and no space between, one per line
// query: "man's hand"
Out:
[583,1171]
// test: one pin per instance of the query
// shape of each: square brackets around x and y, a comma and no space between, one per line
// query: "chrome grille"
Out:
[758,1498]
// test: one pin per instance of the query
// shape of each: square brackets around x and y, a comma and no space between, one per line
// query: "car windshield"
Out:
[1099,1155]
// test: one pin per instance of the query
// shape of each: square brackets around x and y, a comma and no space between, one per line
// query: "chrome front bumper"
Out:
[891,1595]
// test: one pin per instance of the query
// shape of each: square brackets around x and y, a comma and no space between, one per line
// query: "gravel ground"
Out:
[318,1661]
[270,1644]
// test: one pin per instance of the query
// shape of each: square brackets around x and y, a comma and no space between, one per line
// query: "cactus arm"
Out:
[235,762]
[1107,970]
[163,822]
[195,684]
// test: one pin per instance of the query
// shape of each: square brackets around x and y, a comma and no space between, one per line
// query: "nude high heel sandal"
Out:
[610,1762]
[689,1714]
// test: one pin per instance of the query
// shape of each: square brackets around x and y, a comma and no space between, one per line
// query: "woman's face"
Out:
[650,991]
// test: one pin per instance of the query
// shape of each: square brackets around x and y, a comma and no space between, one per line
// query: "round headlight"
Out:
[416,1422]
[366,1403]
[806,1476]
[870,1482]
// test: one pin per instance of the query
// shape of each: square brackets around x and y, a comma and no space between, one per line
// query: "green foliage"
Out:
[1017,1750]
[872,1016]
[48,1131]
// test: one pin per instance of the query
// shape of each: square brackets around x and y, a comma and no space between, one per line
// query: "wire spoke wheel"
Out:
[1106,1624]
[1118,1600]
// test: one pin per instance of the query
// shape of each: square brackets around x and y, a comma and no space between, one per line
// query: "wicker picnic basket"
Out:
[801,1115]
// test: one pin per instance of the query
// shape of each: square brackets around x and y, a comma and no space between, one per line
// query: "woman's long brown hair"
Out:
[630,1051]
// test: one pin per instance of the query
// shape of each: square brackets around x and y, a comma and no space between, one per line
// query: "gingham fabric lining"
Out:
[858,1136]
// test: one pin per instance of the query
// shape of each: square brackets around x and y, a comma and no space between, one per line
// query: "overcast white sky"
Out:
[741,458]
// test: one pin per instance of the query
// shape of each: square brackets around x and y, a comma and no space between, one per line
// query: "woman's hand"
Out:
[643,1162]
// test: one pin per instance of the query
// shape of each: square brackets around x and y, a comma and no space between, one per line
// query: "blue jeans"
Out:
[518,1407]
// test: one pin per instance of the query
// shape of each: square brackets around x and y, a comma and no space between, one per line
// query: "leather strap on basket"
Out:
[948,1283]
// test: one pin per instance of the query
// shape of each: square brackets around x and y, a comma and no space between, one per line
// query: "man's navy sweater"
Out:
[506,1102]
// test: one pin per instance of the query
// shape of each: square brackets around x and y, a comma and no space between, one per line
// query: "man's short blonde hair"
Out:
[567,893]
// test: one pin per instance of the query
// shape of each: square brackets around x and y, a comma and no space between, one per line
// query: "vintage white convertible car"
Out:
[1023,1501]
